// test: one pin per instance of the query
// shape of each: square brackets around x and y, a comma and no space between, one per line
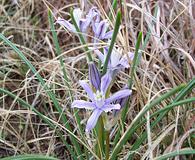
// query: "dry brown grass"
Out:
[168,60]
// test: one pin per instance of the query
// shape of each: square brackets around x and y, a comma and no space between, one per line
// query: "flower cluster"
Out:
[98,89]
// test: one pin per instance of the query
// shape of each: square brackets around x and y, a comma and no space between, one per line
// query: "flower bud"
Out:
[94,76]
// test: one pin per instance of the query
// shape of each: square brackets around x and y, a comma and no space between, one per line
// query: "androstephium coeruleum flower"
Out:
[99,101]
[82,23]
[118,60]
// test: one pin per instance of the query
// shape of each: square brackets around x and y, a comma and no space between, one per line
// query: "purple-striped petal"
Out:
[100,55]
[119,95]
[93,119]
[105,82]
[124,62]
[109,107]
[101,29]
[94,76]
[83,104]
[87,88]
[108,35]
[66,24]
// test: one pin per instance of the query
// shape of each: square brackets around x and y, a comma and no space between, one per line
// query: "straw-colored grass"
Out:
[168,60]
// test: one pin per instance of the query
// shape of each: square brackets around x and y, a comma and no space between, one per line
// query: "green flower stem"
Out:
[81,37]
[66,79]
[116,29]
[107,150]
[135,60]
[100,138]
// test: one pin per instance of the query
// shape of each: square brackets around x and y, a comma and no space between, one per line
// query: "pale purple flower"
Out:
[117,61]
[98,101]
[100,30]
[82,23]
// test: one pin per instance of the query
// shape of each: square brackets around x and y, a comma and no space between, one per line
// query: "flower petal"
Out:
[83,104]
[93,119]
[83,25]
[93,12]
[109,107]
[131,55]
[101,29]
[105,82]
[66,24]
[124,62]
[77,13]
[115,57]
[100,55]
[119,95]
[87,88]
[94,76]
[108,35]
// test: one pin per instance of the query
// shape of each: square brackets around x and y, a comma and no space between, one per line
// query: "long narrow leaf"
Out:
[46,88]
[127,134]
[176,153]
[43,117]
[81,37]
[67,81]
[29,157]
[116,29]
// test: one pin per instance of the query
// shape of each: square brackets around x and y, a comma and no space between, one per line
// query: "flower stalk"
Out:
[107,150]
[81,37]
[116,29]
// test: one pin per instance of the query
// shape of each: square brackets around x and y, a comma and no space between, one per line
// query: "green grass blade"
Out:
[135,60]
[176,153]
[46,88]
[114,5]
[128,132]
[52,124]
[132,72]
[116,29]
[32,68]
[44,118]
[143,137]
[58,52]
[163,112]
[30,157]
[186,90]
[169,107]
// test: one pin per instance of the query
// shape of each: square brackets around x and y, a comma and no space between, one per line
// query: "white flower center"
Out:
[99,97]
